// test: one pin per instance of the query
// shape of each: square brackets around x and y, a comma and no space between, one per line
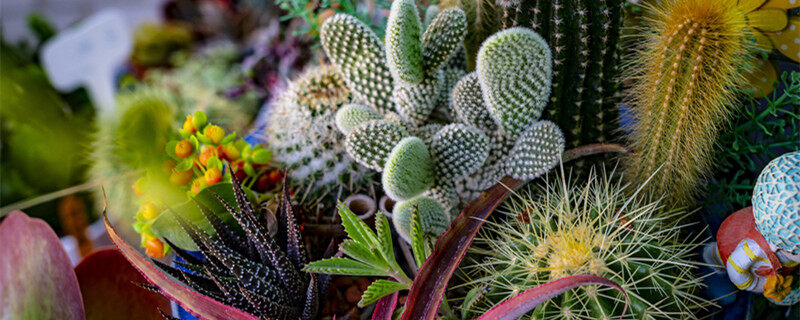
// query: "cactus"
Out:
[303,134]
[371,143]
[458,150]
[359,57]
[514,70]
[684,84]
[409,170]
[593,228]
[438,159]
[584,37]
[352,115]
[433,216]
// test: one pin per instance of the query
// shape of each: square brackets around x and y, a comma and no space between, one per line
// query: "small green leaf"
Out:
[362,253]
[199,120]
[228,139]
[185,164]
[248,169]
[214,162]
[194,142]
[385,238]
[417,238]
[380,289]
[343,266]
[170,149]
[184,134]
[246,151]
[355,228]
[262,156]
[202,138]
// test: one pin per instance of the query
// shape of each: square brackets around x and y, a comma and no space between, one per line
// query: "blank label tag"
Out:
[88,55]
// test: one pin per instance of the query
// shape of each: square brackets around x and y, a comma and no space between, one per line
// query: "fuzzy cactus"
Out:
[536,151]
[588,228]
[359,57]
[371,143]
[403,43]
[514,72]
[432,214]
[683,92]
[442,38]
[409,170]
[352,115]
[303,136]
[584,37]
[415,102]
[442,110]
[468,106]
[458,150]
[445,193]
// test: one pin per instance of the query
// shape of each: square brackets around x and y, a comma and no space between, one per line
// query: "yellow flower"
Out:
[777,287]
[771,29]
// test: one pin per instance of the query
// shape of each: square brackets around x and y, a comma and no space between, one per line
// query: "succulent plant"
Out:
[420,156]
[435,222]
[684,85]
[303,134]
[591,228]
[584,37]
[254,271]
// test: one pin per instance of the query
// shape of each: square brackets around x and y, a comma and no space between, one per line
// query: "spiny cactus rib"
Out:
[371,143]
[359,57]
[352,115]
[683,93]
[458,150]
[536,151]
[443,111]
[415,102]
[514,72]
[403,44]
[442,38]
[409,170]
[431,213]
[468,106]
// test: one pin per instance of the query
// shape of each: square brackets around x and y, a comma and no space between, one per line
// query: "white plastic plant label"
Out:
[88,55]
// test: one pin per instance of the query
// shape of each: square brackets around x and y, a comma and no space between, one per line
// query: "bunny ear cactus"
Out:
[537,150]
[352,115]
[443,38]
[371,143]
[684,85]
[468,106]
[458,150]
[360,58]
[514,72]
[403,42]
[432,214]
[409,170]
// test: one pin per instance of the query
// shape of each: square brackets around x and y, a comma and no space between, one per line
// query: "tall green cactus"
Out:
[683,92]
[584,38]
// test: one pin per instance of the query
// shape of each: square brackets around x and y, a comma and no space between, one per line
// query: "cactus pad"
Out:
[536,151]
[351,115]
[371,143]
[431,213]
[458,150]
[409,170]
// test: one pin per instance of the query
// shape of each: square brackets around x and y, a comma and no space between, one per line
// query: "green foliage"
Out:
[371,253]
[515,60]
[757,135]
[458,150]
[434,220]
[359,56]
[403,45]
[154,44]
[588,227]
[409,170]
[314,14]
[370,144]
[352,115]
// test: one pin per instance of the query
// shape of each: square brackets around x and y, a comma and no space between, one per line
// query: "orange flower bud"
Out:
[149,211]
[154,248]
[214,133]
[188,125]
[179,178]
[184,149]
[213,176]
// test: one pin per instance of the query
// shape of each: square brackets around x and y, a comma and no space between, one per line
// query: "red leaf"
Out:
[109,287]
[526,301]
[385,307]
[36,277]
[199,305]
[431,281]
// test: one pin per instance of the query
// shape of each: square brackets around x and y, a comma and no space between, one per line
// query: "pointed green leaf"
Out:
[185,164]
[380,289]
[355,228]
[385,238]
[417,238]
[343,266]
[361,252]
[262,156]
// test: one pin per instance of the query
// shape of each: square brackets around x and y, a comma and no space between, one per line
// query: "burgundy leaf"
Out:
[199,305]
[109,285]
[592,149]
[431,281]
[385,307]
[36,277]
[526,301]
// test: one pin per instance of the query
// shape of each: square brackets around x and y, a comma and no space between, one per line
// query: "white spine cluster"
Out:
[371,143]
[458,150]
[537,150]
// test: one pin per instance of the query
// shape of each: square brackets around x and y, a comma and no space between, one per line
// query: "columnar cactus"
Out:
[303,134]
[584,36]
[684,85]
[588,228]
[423,159]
